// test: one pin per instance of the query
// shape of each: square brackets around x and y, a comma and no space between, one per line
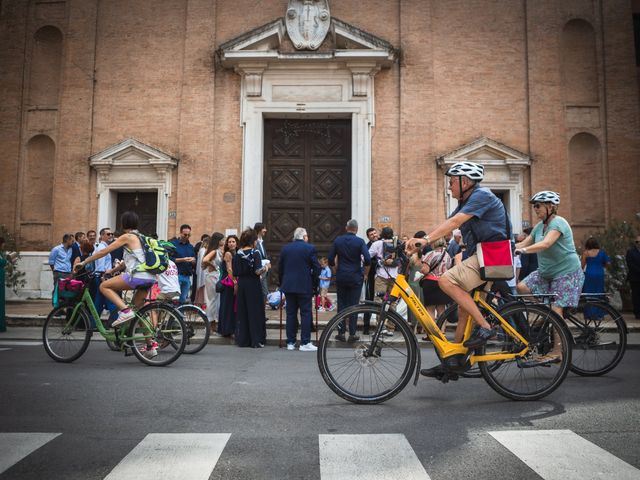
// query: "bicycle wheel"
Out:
[66,338]
[528,377]
[198,330]
[599,342]
[158,334]
[362,372]
[444,323]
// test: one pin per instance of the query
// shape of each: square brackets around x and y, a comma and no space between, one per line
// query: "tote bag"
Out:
[496,258]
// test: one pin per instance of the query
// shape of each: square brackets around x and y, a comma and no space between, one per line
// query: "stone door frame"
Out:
[313,91]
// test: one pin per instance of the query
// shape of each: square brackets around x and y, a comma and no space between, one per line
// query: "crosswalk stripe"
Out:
[4,349]
[371,457]
[15,446]
[172,456]
[564,455]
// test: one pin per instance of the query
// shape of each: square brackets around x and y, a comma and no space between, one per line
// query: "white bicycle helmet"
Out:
[546,196]
[470,170]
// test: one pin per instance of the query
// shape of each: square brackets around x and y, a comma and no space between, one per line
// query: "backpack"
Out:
[156,255]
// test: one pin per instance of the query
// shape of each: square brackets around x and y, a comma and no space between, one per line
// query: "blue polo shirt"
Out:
[184,250]
[488,222]
[60,258]
[352,252]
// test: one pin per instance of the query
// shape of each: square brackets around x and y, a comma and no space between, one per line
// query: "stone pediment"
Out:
[487,152]
[132,152]
[270,44]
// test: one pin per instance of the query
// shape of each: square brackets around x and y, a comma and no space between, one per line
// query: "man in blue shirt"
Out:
[60,258]
[185,260]
[102,265]
[351,253]
[481,217]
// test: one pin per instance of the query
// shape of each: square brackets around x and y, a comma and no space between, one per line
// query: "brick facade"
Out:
[146,70]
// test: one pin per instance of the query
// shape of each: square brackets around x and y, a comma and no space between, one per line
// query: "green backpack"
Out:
[156,255]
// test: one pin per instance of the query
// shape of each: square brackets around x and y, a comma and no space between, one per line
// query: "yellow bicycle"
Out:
[377,367]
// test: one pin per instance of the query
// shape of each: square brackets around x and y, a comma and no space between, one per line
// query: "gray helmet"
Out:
[546,196]
[471,170]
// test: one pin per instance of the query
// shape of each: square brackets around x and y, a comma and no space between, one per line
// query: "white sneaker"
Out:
[123,317]
[291,346]
[151,352]
[308,347]
[321,309]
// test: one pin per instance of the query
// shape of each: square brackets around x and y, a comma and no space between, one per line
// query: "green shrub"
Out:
[14,278]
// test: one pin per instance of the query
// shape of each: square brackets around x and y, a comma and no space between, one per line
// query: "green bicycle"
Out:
[157,335]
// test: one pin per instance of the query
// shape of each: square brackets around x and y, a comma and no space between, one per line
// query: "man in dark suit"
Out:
[299,271]
[351,253]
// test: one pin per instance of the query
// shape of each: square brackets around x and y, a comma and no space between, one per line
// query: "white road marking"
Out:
[15,446]
[4,349]
[371,457]
[19,343]
[564,455]
[177,456]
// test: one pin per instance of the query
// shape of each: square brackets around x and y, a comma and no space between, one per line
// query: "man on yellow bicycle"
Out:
[481,217]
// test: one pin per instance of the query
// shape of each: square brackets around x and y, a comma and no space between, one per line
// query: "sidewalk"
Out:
[25,319]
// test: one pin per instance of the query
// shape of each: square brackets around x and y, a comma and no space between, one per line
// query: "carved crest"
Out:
[307,23]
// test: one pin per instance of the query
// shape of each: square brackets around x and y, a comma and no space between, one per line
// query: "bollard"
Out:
[3,322]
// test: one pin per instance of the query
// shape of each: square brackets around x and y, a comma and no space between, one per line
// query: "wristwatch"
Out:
[426,237]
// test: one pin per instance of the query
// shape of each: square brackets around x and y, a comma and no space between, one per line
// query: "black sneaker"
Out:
[479,337]
[340,337]
[353,338]
[439,373]
[365,331]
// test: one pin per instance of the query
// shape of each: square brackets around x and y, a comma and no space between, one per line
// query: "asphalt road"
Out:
[278,412]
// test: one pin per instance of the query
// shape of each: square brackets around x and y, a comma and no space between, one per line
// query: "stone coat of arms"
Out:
[307,23]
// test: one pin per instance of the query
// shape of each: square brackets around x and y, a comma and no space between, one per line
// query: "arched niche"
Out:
[37,188]
[579,63]
[46,62]
[586,179]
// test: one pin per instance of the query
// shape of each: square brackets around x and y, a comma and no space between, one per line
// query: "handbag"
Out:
[496,258]
[223,283]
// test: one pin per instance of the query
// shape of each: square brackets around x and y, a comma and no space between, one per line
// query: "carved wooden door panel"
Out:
[307,182]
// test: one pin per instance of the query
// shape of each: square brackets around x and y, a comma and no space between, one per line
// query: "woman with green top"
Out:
[559,270]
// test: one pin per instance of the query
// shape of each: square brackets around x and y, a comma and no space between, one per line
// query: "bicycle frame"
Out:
[87,302]
[445,348]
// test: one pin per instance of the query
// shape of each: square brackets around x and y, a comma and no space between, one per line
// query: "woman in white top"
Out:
[131,279]
[211,271]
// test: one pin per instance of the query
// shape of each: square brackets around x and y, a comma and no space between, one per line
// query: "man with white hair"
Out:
[454,244]
[299,271]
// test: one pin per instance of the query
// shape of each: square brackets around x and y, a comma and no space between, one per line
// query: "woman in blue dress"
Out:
[247,268]
[594,261]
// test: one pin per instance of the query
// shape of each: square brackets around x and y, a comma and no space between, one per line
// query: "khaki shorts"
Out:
[167,297]
[324,292]
[466,275]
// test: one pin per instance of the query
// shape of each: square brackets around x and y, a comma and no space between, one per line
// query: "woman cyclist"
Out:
[131,279]
[559,270]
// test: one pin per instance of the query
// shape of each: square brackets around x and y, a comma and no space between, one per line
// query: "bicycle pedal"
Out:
[127,352]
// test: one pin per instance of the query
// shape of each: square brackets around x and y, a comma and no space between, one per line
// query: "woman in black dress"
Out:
[227,313]
[247,268]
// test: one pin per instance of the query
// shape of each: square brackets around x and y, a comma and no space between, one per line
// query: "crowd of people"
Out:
[230,274]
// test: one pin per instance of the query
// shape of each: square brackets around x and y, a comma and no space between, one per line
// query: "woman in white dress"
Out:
[211,270]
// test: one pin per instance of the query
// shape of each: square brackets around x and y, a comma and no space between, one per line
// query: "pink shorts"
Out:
[133,282]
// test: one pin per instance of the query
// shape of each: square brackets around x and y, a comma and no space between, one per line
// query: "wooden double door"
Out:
[307,182]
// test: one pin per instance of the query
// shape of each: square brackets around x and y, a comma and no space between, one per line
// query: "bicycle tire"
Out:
[598,344]
[522,378]
[64,344]
[170,334]
[449,311]
[334,358]
[198,328]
